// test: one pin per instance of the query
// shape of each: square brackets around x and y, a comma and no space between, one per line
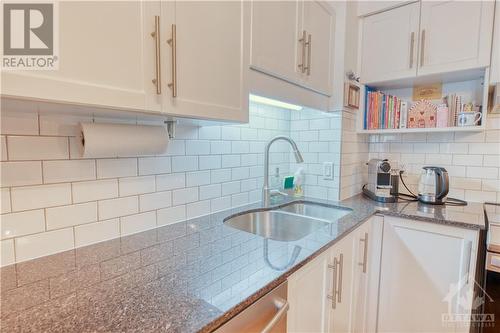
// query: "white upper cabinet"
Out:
[424,38]
[455,35]
[106,58]
[495,54]
[293,41]
[318,25]
[389,44]
[202,60]
[274,41]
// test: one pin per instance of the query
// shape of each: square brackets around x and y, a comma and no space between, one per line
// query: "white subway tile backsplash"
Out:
[116,167]
[18,123]
[7,254]
[170,181]
[96,232]
[482,172]
[43,244]
[68,171]
[210,191]
[184,163]
[230,188]
[184,195]
[176,147]
[197,147]
[136,185]
[198,178]
[454,148]
[231,161]
[5,201]
[137,223]
[21,173]
[37,148]
[111,208]
[221,203]
[22,223]
[468,160]
[220,147]
[32,197]
[210,162]
[198,208]
[154,165]
[153,201]
[171,215]
[231,133]
[95,190]
[67,216]
[220,175]
[491,160]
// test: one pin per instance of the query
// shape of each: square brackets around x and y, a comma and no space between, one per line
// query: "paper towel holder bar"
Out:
[171,128]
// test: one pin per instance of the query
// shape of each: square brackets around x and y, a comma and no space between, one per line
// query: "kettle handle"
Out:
[442,182]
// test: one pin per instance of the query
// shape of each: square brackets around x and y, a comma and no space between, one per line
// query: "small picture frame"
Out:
[351,95]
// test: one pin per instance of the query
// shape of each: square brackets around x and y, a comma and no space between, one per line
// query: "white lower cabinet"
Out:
[325,294]
[388,275]
[422,264]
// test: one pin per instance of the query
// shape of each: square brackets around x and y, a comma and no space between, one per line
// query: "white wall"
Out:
[54,201]
[472,159]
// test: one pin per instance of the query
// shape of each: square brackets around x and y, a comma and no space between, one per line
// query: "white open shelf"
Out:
[472,88]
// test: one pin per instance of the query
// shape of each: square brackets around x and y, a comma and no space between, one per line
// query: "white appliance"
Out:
[493,238]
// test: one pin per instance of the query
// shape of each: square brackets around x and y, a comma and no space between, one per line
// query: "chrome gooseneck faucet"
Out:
[266,191]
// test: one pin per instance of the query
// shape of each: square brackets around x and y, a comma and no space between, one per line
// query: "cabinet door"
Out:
[389,44]
[307,289]
[495,54]
[366,261]
[422,263]
[455,35]
[341,286]
[208,59]
[275,38]
[106,58]
[319,24]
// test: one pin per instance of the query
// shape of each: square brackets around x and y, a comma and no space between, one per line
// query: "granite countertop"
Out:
[185,277]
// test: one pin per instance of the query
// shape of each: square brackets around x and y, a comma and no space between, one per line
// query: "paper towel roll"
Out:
[117,140]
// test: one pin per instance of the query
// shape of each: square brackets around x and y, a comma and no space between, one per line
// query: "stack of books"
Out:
[454,103]
[383,111]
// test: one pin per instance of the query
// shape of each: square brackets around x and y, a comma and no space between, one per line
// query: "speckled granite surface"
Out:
[185,277]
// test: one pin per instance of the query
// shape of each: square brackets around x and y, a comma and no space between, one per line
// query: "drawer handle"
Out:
[308,68]
[156,35]
[365,252]
[282,306]
[341,266]
[333,297]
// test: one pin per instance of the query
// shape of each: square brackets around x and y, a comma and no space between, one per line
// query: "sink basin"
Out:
[276,225]
[318,211]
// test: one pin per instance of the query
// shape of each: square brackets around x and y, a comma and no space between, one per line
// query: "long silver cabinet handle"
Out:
[341,266]
[156,35]
[412,47]
[173,44]
[333,296]
[309,45]
[303,41]
[282,306]
[365,252]
[422,49]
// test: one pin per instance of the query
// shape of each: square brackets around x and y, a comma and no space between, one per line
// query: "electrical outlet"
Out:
[328,170]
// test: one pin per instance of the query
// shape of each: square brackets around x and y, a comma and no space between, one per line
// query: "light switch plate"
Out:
[328,170]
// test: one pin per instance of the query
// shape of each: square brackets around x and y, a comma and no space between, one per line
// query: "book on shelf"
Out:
[383,111]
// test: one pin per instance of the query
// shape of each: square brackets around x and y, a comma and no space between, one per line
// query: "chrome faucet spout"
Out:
[298,158]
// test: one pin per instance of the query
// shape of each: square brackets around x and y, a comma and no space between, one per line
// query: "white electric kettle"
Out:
[433,186]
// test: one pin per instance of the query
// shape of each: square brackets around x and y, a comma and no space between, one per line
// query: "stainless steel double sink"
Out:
[289,222]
